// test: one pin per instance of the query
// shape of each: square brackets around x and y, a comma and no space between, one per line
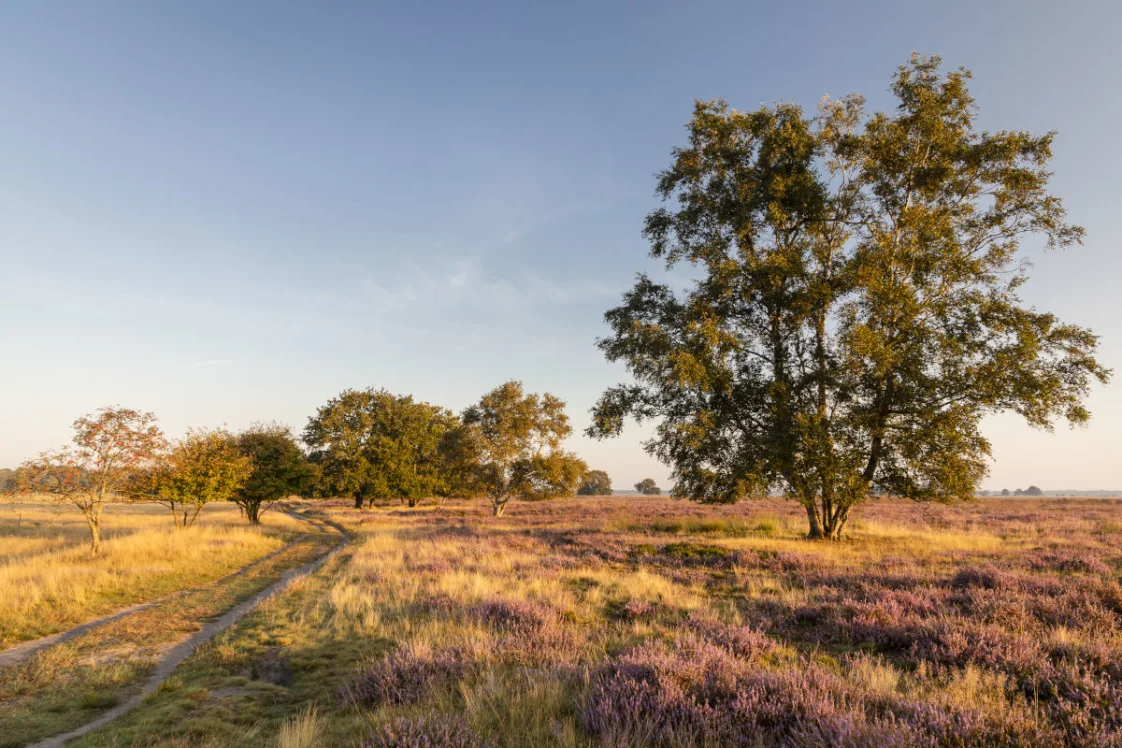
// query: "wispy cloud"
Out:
[465,285]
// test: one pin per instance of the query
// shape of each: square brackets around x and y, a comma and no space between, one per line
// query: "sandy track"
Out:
[20,652]
[177,654]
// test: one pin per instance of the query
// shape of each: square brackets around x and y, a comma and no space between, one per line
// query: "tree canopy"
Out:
[515,440]
[595,483]
[279,468]
[113,448]
[648,487]
[203,467]
[855,312]
[372,443]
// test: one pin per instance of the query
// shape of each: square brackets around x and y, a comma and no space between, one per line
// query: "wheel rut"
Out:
[173,657]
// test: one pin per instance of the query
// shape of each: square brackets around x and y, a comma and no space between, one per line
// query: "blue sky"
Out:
[228,212]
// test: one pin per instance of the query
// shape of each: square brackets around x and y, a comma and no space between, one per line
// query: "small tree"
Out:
[595,483]
[203,467]
[516,442]
[647,487]
[1005,492]
[1033,491]
[279,468]
[113,448]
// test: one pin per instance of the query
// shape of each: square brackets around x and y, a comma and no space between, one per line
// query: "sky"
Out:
[228,212]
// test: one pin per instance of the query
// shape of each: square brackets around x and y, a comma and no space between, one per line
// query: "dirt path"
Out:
[20,652]
[177,654]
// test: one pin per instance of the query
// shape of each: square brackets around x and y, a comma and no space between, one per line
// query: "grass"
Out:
[52,582]
[604,622]
[61,687]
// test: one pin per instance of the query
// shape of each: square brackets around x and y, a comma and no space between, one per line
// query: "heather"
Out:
[633,621]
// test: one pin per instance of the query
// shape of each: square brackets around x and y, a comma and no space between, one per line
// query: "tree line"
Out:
[363,444]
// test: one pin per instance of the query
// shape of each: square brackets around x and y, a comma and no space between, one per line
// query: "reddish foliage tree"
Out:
[112,448]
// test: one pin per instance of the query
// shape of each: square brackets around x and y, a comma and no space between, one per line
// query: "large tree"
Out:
[515,441]
[373,443]
[203,467]
[279,468]
[855,311]
[595,483]
[113,449]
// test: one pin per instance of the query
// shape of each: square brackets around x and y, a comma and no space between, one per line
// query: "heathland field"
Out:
[620,621]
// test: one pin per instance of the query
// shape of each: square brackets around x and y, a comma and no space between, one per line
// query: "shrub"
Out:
[406,677]
[429,731]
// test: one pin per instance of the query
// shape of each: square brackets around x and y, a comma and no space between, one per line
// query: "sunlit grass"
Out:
[53,583]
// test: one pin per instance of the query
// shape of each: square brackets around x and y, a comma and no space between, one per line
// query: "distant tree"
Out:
[112,450]
[595,483]
[515,439]
[203,467]
[1018,492]
[372,443]
[648,487]
[8,480]
[855,313]
[459,456]
[279,468]
[405,443]
[1005,492]
[1033,491]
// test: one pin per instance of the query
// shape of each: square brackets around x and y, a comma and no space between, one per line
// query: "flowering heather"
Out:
[525,630]
[431,731]
[695,693]
[406,677]
[626,622]
[637,610]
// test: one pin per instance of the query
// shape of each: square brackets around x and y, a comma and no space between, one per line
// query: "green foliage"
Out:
[204,466]
[279,468]
[855,313]
[372,443]
[513,443]
[648,487]
[595,483]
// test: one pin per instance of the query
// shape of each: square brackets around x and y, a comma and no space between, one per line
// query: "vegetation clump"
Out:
[855,314]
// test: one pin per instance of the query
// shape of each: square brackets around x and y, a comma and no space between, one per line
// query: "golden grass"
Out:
[302,731]
[413,581]
[52,583]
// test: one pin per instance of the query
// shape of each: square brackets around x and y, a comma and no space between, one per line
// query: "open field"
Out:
[631,621]
[52,583]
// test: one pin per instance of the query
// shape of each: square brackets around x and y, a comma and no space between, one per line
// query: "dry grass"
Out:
[52,582]
[609,621]
[302,731]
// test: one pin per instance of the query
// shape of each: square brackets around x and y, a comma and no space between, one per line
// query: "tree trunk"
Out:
[358,501]
[815,532]
[833,522]
[94,522]
[252,511]
[499,507]
[194,516]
